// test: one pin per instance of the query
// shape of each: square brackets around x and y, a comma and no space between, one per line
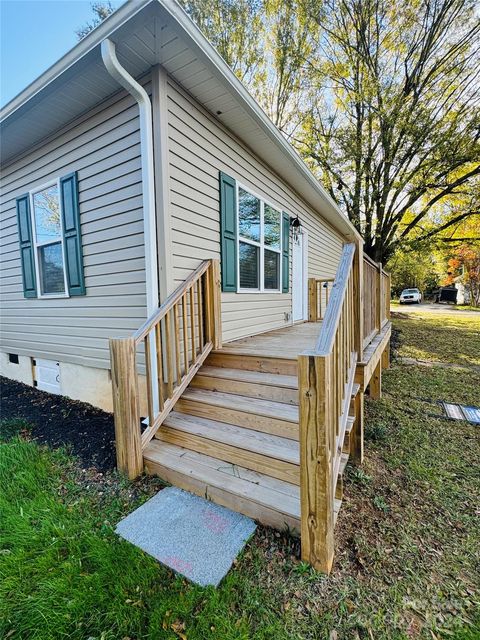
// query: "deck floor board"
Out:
[287,342]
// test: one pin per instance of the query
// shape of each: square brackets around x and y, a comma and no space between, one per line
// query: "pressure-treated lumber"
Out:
[271,501]
[126,407]
[316,458]
[356,434]
[216,314]
[386,357]
[376,382]
[358,299]
[248,383]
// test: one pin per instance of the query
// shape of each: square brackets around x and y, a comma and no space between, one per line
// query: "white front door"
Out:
[299,278]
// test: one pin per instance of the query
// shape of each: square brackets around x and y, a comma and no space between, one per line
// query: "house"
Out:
[160,237]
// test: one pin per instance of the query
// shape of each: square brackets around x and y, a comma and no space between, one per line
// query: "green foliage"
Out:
[442,338]
[379,98]
[235,29]
[101,11]
[421,269]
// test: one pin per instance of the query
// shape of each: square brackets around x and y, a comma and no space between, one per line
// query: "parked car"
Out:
[410,296]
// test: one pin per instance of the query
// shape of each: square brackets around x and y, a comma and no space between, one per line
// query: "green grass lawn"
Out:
[407,563]
[440,337]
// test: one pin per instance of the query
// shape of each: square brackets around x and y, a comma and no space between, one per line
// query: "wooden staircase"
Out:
[233,437]
[266,424]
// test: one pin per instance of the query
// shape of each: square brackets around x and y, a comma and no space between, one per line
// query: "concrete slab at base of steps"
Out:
[192,536]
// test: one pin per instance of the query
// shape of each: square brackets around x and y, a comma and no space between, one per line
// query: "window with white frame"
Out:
[259,244]
[48,240]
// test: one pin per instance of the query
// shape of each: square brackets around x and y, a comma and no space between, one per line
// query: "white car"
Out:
[410,295]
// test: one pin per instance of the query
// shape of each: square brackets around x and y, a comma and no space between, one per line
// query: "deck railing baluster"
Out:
[160,336]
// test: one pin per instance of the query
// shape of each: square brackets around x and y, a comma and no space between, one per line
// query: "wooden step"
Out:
[355,389]
[272,455]
[267,416]
[252,362]
[254,384]
[273,502]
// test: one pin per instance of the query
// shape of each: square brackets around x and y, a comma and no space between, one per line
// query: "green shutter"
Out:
[285,252]
[228,231]
[72,235]
[26,247]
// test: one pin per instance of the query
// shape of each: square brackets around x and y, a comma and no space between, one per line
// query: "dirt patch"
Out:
[57,421]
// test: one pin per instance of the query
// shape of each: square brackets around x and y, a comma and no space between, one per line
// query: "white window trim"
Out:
[260,245]
[36,244]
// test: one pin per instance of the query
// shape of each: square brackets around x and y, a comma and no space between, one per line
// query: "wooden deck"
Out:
[285,343]
[266,424]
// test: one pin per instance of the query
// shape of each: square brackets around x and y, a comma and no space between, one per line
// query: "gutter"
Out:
[119,74]
[129,83]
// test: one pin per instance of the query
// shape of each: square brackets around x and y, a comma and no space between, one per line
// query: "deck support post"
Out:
[386,357]
[317,448]
[376,382]
[126,410]
[356,438]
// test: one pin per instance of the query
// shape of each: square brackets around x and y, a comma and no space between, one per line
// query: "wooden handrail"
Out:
[174,297]
[332,314]
[177,338]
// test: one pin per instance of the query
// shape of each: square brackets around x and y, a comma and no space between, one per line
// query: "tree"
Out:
[380,98]
[101,11]
[285,86]
[422,269]
[395,128]
[235,28]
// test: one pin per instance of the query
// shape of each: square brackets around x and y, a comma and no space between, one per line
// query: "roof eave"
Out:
[92,40]
[206,52]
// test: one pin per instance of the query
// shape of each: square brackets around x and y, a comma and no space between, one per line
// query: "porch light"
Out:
[296,227]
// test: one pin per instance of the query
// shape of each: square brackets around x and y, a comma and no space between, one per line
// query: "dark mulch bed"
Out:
[58,421]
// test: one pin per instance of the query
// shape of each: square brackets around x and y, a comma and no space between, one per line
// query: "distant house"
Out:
[161,235]
[457,293]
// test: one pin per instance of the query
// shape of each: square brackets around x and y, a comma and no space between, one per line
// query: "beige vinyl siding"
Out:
[200,147]
[104,148]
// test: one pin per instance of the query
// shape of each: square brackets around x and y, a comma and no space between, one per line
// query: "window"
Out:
[48,242]
[259,243]
[49,235]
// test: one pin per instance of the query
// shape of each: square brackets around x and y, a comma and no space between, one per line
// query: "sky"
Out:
[34,34]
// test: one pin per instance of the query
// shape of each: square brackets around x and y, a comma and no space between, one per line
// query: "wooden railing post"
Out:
[378,293]
[389,294]
[358,300]
[216,304]
[312,300]
[316,423]
[125,406]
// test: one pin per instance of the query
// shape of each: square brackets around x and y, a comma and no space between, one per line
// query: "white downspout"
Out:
[117,72]
[129,83]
